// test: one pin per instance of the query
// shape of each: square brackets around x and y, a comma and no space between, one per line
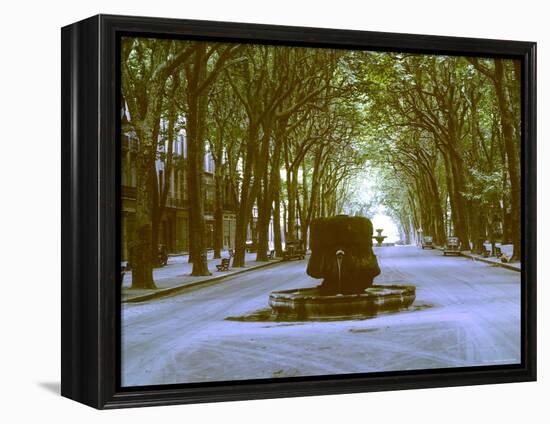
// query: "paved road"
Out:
[466,313]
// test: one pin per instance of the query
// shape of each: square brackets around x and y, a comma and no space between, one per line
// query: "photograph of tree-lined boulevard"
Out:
[295,211]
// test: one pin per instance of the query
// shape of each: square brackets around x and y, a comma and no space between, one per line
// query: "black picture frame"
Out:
[90,212]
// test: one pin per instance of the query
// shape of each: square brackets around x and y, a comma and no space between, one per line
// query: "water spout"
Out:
[339,256]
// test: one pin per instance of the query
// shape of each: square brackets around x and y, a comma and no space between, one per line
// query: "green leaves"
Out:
[423,132]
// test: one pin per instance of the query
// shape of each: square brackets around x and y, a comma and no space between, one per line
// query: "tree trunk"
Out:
[245,204]
[218,212]
[455,186]
[196,119]
[275,184]
[313,201]
[263,189]
[477,226]
[304,212]
[292,191]
[264,214]
[285,220]
[438,222]
[142,264]
[160,189]
[277,238]
[155,215]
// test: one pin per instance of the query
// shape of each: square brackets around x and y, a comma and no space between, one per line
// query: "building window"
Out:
[184,145]
[208,163]
[161,180]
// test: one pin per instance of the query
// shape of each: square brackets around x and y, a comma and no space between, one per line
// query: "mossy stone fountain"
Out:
[342,255]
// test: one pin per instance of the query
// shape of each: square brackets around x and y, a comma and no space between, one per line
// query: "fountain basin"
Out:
[310,304]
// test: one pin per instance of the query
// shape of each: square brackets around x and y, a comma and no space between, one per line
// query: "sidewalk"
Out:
[175,276]
[505,248]
[514,266]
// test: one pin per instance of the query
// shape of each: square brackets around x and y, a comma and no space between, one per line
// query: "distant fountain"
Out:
[379,238]
[342,255]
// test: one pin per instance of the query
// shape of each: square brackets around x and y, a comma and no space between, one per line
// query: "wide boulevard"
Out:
[466,313]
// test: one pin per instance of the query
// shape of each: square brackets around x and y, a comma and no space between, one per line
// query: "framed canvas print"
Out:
[253,211]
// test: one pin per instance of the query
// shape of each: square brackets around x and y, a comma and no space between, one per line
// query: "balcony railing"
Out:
[172,202]
[129,192]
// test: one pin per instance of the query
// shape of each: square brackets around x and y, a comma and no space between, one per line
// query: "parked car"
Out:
[452,247]
[428,242]
[294,250]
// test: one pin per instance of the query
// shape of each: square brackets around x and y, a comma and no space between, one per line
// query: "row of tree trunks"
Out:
[144,79]
[505,90]
[511,143]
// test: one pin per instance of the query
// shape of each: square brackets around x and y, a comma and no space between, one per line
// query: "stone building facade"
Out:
[174,226]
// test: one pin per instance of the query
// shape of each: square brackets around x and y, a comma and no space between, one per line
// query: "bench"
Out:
[271,254]
[224,265]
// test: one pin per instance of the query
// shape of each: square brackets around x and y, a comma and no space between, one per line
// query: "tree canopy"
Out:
[295,132]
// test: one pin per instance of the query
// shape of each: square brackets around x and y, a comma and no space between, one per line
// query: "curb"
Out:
[487,261]
[171,290]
